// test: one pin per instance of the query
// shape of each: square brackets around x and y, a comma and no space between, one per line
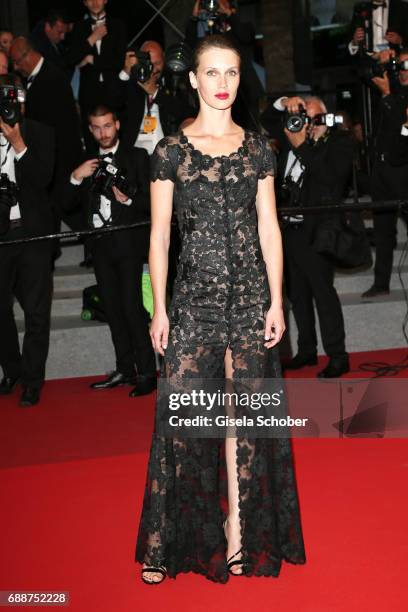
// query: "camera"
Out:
[106,176]
[295,122]
[178,58]
[8,199]
[210,12]
[143,70]
[11,98]
[371,68]
[289,192]
[209,8]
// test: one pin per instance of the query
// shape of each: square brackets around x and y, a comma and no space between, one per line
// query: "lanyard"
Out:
[3,163]
[150,100]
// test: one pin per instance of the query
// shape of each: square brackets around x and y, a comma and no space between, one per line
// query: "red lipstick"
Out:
[222,96]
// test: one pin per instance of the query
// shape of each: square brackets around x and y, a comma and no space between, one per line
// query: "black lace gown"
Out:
[220,298]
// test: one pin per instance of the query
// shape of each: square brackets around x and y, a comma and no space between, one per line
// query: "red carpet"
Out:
[72,479]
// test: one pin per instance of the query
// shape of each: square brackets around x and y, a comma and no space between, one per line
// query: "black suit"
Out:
[54,54]
[172,110]
[397,20]
[309,276]
[108,64]
[118,261]
[389,180]
[50,101]
[25,270]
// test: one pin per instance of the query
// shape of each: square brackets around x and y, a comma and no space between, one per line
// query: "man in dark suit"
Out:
[151,99]
[118,256]
[152,112]
[50,101]
[47,38]
[389,26]
[98,47]
[27,158]
[389,176]
[316,163]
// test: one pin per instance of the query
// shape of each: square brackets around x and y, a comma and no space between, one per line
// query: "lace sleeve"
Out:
[268,160]
[161,163]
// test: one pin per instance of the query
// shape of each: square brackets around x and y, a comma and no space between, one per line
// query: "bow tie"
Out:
[105,155]
[98,20]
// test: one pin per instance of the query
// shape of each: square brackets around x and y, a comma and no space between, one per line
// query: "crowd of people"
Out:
[92,103]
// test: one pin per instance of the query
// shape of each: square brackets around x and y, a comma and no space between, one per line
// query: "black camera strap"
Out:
[299,180]
[3,162]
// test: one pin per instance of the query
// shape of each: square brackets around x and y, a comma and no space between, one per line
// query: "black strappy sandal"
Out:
[156,570]
[231,564]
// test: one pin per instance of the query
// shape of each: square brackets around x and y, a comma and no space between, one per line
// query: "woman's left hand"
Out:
[274,326]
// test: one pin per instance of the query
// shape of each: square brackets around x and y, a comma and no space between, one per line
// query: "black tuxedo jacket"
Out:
[135,164]
[50,101]
[172,110]
[400,157]
[109,63]
[53,54]
[33,176]
[391,116]
[328,167]
[397,19]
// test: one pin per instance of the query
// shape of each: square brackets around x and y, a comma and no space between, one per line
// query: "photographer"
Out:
[389,178]
[118,256]
[27,162]
[221,17]
[98,47]
[315,165]
[151,110]
[379,25]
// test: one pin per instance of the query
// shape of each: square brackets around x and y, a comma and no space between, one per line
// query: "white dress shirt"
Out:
[147,140]
[380,27]
[34,73]
[294,169]
[7,159]
[105,205]
[96,23]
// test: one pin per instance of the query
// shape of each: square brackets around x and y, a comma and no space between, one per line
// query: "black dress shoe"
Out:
[30,396]
[338,365]
[7,384]
[374,292]
[299,361]
[114,380]
[145,384]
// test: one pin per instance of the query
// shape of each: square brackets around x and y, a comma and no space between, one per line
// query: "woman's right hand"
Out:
[159,332]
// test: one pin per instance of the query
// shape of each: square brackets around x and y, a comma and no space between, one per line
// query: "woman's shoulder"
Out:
[257,142]
[171,140]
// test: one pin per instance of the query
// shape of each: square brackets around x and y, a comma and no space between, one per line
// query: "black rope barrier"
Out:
[295,210]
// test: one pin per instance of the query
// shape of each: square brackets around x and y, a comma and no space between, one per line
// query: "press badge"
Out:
[149,124]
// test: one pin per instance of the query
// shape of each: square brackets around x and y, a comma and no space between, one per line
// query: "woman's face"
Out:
[217,78]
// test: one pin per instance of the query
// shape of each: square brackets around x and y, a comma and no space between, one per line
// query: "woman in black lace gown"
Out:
[225,319]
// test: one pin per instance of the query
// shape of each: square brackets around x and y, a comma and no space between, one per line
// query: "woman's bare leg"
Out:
[233,528]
